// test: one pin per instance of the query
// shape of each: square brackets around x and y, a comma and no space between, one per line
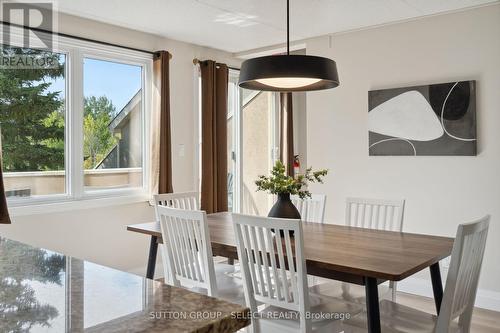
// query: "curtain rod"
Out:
[60,34]
[197,61]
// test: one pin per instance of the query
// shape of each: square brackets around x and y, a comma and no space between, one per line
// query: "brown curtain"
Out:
[4,211]
[162,123]
[214,80]
[286,132]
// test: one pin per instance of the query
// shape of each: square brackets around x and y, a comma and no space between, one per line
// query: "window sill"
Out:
[72,204]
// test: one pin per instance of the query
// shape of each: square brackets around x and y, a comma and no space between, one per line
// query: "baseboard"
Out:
[485,299]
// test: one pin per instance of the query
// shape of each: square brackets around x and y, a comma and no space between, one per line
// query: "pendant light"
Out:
[288,72]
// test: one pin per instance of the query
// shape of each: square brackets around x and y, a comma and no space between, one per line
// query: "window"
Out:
[112,125]
[259,144]
[252,145]
[74,129]
[232,139]
[33,123]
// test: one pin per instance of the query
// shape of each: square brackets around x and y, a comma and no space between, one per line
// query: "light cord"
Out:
[288,27]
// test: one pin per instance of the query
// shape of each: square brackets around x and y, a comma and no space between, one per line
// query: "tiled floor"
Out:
[483,321]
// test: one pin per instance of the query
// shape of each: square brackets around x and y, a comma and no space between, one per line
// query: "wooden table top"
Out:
[340,252]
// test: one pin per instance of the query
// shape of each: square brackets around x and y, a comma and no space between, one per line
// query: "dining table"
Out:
[366,257]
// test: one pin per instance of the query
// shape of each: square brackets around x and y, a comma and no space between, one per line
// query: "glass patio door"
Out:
[253,134]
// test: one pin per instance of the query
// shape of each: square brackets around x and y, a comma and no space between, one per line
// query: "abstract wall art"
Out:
[436,119]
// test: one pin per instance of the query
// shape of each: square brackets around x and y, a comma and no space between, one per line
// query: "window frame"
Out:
[76,51]
[237,141]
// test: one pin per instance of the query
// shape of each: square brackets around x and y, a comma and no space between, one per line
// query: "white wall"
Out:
[441,192]
[99,234]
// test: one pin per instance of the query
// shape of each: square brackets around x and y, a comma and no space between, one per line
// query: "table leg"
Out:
[153,251]
[230,261]
[372,305]
[437,285]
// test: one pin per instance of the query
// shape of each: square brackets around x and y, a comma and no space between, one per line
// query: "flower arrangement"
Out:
[280,183]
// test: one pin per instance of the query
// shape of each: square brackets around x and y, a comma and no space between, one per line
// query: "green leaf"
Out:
[280,183]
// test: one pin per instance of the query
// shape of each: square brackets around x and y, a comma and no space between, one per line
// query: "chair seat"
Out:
[326,316]
[347,292]
[397,318]
[228,287]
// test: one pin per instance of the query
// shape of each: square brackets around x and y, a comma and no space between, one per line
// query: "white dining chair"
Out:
[311,209]
[380,214]
[188,255]
[459,294]
[182,200]
[272,277]
[375,213]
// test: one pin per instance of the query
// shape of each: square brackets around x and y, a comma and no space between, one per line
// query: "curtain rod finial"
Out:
[157,54]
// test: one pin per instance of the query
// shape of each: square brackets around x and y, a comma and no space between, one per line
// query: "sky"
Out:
[118,82]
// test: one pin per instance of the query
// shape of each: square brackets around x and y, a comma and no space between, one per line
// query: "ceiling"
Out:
[241,25]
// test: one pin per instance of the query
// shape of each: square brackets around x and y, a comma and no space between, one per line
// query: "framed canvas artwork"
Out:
[436,119]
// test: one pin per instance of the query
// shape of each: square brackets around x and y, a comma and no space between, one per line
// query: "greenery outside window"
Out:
[32,124]
[76,129]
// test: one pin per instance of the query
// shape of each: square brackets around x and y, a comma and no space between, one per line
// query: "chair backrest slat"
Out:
[266,258]
[187,248]
[311,209]
[257,251]
[250,254]
[463,275]
[375,213]
[281,258]
[194,252]
[291,269]
[265,262]
[272,256]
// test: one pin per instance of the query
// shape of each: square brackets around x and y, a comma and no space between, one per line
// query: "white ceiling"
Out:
[240,25]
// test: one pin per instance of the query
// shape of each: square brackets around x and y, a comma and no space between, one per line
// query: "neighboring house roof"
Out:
[247,97]
[119,122]
[125,111]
